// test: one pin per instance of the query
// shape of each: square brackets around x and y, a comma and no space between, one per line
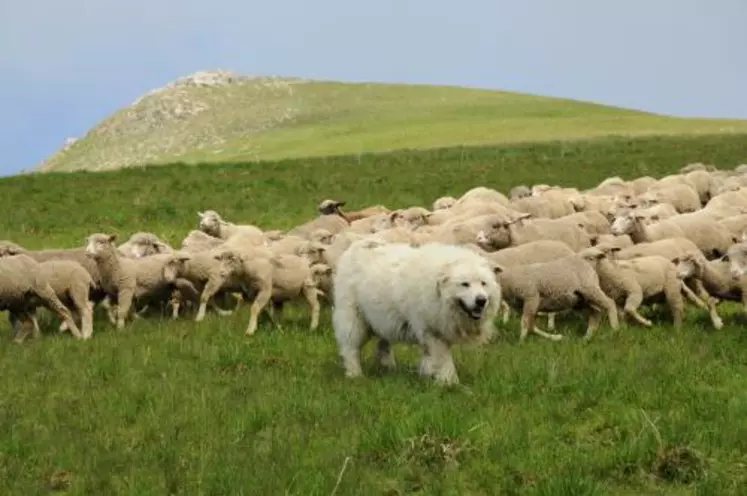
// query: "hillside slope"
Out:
[213,117]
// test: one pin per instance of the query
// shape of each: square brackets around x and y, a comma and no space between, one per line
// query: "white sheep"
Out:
[562,284]
[213,224]
[23,287]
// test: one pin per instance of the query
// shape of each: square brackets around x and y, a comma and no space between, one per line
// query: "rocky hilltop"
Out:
[202,111]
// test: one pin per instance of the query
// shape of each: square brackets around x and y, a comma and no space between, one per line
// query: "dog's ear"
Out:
[443,278]
[497,268]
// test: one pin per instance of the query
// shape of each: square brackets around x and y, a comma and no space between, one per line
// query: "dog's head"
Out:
[469,285]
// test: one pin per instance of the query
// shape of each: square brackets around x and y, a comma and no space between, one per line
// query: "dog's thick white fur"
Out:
[435,295]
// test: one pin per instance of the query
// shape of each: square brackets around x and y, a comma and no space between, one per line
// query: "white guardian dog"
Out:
[435,296]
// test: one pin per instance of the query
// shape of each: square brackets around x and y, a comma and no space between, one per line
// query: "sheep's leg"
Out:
[709,304]
[597,298]
[595,317]
[673,295]
[110,313]
[17,325]
[123,308]
[50,299]
[260,302]
[239,300]
[213,285]
[551,321]
[531,305]
[270,311]
[309,291]
[385,354]
[86,319]
[506,312]
[441,361]
[632,303]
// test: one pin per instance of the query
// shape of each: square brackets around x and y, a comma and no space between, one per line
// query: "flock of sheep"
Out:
[606,250]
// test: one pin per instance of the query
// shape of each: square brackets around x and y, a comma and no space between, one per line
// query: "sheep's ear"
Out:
[676,260]
[725,258]
[615,249]
[734,239]
[200,214]
[497,268]
[594,239]
[654,217]
[393,215]
[112,237]
[340,204]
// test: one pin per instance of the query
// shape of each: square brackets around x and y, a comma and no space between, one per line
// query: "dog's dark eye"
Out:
[465,284]
[483,283]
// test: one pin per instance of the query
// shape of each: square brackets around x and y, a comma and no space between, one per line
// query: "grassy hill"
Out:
[234,118]
[186,408]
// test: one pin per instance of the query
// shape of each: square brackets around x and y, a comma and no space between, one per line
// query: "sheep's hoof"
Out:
[718,323]
[555,337]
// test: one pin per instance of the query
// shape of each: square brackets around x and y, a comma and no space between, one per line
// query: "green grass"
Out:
[183,408]
[279,119]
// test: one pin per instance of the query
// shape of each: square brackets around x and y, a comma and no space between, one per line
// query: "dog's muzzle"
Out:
[476,310]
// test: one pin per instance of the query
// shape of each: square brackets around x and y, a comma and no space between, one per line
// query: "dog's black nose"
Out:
[480,301]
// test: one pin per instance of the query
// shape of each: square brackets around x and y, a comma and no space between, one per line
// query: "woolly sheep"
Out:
[213,224]
[502,234]
[554,286]
[197,241]
[483,194]
[332,207]
[716,277]
[632,282]
[280,279]
[23,287]
[142,244]
[126,280]
[445,202]
[520,191]
[611,240]
[682,197]
[330,218]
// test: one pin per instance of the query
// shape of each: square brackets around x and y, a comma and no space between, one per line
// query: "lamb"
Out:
[411,217]
[632,225]
[592,222]
[142,244]
[460,232]
[332,207]
[516,232]
[682,197]
[717,279]
[279,279]
[23,287]
[78,255]
[212,224]
[550,205]
[633,282]
[330,218]
[127,280]
[321,273]
[443,203]
[528,253]
[197,241]
[483,195]
[520,191]
[562,284]
[72,284]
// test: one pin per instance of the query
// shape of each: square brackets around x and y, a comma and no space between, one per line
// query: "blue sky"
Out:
[67,65]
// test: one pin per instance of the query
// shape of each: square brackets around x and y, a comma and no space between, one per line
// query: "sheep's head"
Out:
[8,248]
[321,236]
[330,207]
[231,262]
[210,222]
[99,243]
[736,256]
[495,234]
[592,255]
[146,244]
[321,274]
[444,202]
[688,265]
[519,191]
[312,251]
[625,224]
[174,267]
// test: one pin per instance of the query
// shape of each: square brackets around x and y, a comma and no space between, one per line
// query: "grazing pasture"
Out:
[184,407]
